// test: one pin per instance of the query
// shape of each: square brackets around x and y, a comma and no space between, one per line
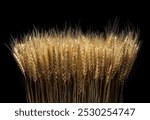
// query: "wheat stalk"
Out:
[74,67]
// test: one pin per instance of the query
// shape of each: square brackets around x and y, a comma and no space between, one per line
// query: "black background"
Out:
[17,22]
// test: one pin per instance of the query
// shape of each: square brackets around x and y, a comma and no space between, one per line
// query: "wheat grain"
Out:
[74,67]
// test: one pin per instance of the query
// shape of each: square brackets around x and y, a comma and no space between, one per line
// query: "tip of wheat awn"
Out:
[70,66]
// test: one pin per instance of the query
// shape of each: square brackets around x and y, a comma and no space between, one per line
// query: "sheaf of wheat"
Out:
[70,66]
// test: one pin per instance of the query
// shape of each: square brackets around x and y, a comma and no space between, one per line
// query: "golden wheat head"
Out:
[75,67]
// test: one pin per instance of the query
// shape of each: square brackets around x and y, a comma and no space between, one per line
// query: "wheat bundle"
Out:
[75,67]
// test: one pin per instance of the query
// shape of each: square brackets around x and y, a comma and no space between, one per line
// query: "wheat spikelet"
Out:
[74,67]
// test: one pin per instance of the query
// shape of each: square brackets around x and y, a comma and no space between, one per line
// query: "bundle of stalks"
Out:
[70,66]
